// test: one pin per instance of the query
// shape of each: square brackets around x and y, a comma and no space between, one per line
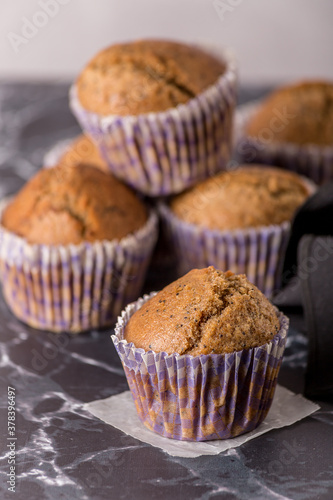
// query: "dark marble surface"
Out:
[62,452]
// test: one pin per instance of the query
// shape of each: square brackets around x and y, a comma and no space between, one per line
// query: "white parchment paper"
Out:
[287,408]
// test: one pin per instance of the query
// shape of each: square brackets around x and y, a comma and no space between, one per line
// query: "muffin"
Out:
[305,113]
[74,248]
[166,73]
[160,112]
[291,128]
[237,220]
[202,356]
[83,150]
[80,150]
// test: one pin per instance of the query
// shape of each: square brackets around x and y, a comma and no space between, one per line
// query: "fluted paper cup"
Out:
[204,397]
[256,252]
[166,152]
[314,162]
[75,287]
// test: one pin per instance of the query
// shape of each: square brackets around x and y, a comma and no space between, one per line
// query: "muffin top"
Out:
[301,114]
[249,196]
[145,76]
[66,204]
[206,311]
[83,150]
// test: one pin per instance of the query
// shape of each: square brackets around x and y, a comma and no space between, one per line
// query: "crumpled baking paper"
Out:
[287,408]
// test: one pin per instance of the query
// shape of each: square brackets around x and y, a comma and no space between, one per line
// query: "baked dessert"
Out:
[249,196]
[61,206]
[206,311]
[146,76]
[83,150]
[75,247]
[292,128]
[202,356]
[237,220]
[160,110]
[301,113]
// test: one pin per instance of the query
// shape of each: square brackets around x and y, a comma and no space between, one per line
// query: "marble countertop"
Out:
[62,451]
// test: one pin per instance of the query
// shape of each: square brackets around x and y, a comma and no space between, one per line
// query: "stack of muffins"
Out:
[76,241]
[202,356]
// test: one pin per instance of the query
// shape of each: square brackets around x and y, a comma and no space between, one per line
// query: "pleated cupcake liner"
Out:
[204,397]
[314,162]
[166,152]
[74,288]
[256,252]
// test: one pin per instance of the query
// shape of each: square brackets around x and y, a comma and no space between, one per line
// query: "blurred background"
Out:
[275,41]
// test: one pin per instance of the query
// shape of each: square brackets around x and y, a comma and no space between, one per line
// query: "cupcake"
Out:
[202,356]
[77,151]
[74,248]
[291,128]
[237,220]
[160,112]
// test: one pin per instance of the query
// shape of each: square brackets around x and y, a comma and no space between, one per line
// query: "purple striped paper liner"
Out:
[74,288]
[204,397]
[256,252]
[166,152]
[314,162]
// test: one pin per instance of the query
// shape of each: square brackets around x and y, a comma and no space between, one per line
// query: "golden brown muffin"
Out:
[206,311]
[145,76]
[301,114]
[83,150]
[64,205]
[249,196]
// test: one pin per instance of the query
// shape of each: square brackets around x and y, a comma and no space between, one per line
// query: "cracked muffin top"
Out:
[83,150]
[64,205]
[250,196]
[301,114]
[206,311]
[145,76]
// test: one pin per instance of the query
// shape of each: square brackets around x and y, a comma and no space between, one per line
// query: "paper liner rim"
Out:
[166,212]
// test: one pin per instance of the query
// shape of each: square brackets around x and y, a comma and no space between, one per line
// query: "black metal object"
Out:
[308,271]
[315,217]
[315,271]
